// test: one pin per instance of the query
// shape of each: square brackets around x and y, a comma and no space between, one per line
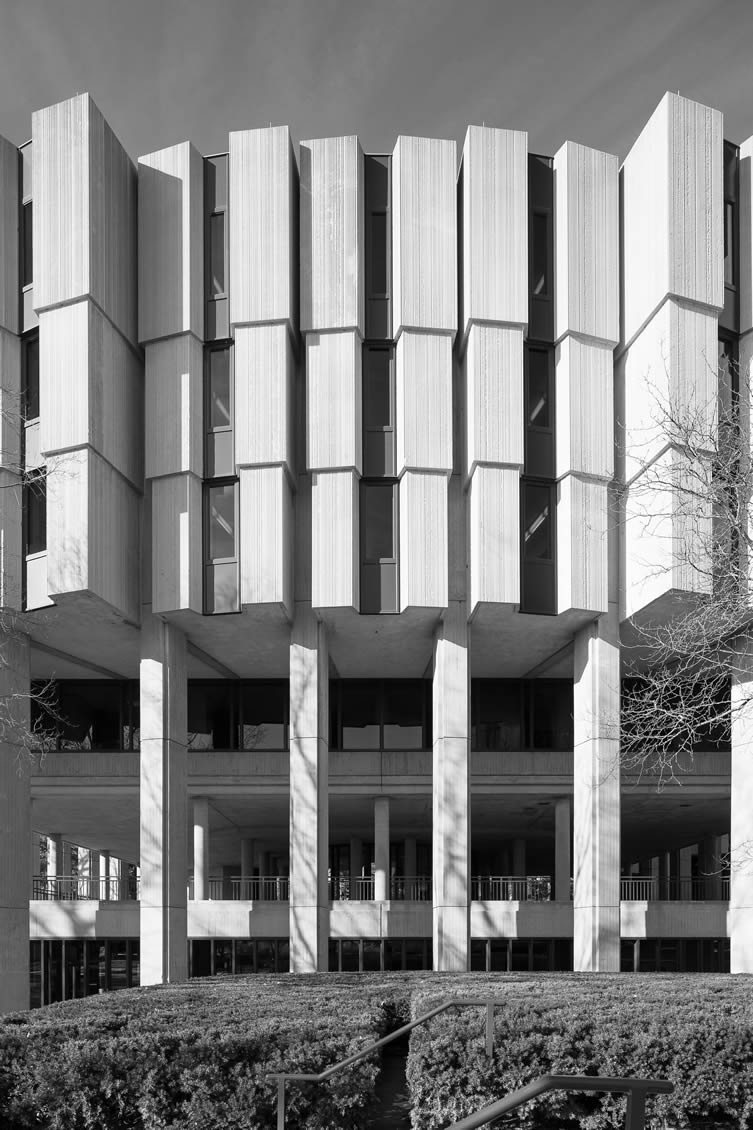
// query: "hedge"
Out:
[696,1031]
[195,1056]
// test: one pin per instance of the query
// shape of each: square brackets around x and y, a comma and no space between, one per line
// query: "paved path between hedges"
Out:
[393,1112]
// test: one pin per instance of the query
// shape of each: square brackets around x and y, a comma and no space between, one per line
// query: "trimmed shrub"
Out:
[695,1031]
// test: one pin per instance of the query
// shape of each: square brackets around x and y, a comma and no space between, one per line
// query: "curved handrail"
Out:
[457,1002]
[636,1090]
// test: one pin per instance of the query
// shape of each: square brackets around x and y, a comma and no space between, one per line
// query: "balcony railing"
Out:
[648,888]
[358,889]
[240,888]
[511,888]
[68,887]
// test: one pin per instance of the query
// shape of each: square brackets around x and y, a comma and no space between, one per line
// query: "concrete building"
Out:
[307,514]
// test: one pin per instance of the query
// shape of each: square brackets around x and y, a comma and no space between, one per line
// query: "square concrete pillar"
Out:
[451,794]
[15,825]
[740,913]
[562,862]
[381,848]
[201,848]
[163,803]
[309,807]
[596,798]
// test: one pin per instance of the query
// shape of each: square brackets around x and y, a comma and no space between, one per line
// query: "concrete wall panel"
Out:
[587,243]
[423,540]
[424,402]
[424,235]
[264,218]
[9,211]
[171,242]
[174,406]
[334,540]
[582,547]
[494,504]
[264,389]
[493,366]
[332,234]
[585,408]
[333,401]
[494,181]
[266,536]
[177,544]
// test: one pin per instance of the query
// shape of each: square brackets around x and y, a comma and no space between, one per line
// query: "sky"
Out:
[163,71]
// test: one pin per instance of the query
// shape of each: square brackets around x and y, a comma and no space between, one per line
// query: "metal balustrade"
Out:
[411,888]
[360,888]
[64,888]
[242,888]
[511,888]
[649,888]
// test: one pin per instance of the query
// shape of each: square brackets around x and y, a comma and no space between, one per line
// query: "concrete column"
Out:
[410,856]
[106,871]
[710,866]
[381,848]
[562,865]
[163,803]
[664,875]
[451,794]
[309,807]
[740,913]
[200,848]
[15,825]
[596,797]
[55,863]
[519,857]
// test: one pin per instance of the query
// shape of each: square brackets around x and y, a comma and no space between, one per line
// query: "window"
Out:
[96,714]
[31,376]
[238,714]
[378,526]
[521,714]
[218,412]
[35,513]
[27,244]
[731,164]
[538,576]
[380,714]
[216,246]
[221,547]
[378,375]
[540,254]
[539,408]
[540,248]
[378,247]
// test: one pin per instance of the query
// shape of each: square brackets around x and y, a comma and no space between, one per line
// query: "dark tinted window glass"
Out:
[377,408]
[552,714]
[31,377]
[538,526]
[216,182]
[217,254]
[729,243]
[219,389]
[221,518]
[377,521]
[498,715]
[89,715]
[538,389]
[539,253]
[132,717]
[27,244]
[404,714]
[360,713]
[264,712]
[210,714]
[379,283]
[35,494]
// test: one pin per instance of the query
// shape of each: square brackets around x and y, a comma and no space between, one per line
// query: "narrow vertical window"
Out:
[378,522]
[378,247]
[216,246]
[540,254]
[221,547]
[539,407]
[217,254]
[31,377]
[35,514]
[27,244]
[378,374]
[218,408]
[538,573]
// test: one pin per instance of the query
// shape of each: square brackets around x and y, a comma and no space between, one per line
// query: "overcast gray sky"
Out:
[162,71]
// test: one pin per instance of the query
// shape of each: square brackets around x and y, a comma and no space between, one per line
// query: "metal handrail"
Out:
[459,1002]
[636,1090]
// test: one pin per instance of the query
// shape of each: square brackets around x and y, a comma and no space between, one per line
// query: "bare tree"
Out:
[695,494]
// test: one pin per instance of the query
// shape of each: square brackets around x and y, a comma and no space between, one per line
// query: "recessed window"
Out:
[220,410]
[217,254]
[27,244]
[539,407]
[31,376]
[221,547]
[96,714]
[538,573]
[378,377]
[238,714]
[35,513]
[222,519]
[218,413]
[537,533]
[379,255]
[378,525]
[380,714]
[378,247]
[216,246]
[521,714]
[540,239]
